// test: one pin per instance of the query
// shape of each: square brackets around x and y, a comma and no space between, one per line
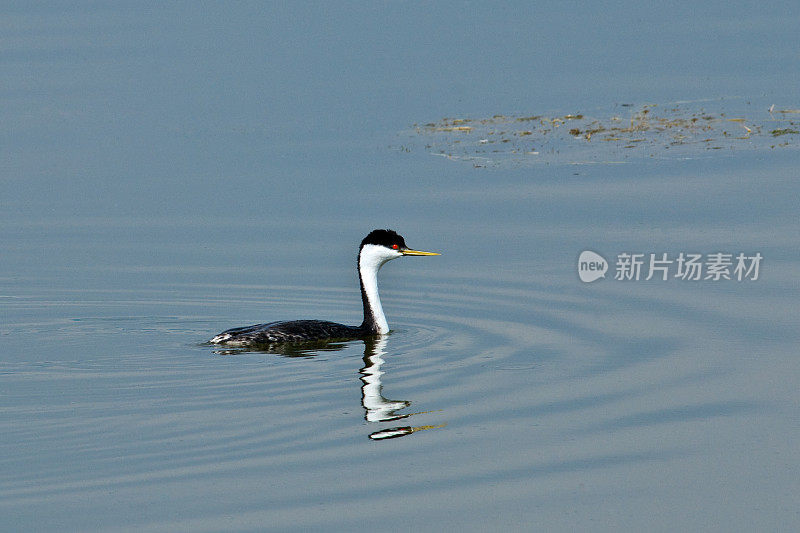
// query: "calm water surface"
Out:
[169,175]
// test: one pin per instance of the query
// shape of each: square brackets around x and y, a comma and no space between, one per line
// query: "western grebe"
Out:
[380,246]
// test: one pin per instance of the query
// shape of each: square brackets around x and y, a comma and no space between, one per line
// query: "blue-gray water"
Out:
[169,172]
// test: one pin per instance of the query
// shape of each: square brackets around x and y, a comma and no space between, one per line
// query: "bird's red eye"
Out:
[395,247]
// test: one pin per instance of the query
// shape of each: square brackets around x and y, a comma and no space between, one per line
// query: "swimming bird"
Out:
[377,248]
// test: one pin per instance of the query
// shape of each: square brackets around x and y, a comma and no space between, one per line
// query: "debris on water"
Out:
[455,128]
[681,129]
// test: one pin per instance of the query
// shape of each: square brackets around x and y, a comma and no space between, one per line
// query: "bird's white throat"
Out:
[370,260]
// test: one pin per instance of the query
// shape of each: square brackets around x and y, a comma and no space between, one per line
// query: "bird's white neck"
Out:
[370,259]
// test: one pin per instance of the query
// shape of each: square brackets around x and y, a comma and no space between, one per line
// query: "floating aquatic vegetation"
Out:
[785,131]
[679,130]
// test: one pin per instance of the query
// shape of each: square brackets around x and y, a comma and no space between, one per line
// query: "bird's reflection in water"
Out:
[290,349]
[376,407]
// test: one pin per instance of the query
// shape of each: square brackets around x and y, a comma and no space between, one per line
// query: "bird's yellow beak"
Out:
[408,251]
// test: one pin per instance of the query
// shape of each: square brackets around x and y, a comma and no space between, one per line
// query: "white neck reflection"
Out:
[376,407]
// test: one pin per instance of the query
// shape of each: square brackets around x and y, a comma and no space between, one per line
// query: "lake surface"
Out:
[167,173]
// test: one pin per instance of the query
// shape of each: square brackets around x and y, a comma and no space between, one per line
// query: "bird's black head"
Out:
[385,237]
